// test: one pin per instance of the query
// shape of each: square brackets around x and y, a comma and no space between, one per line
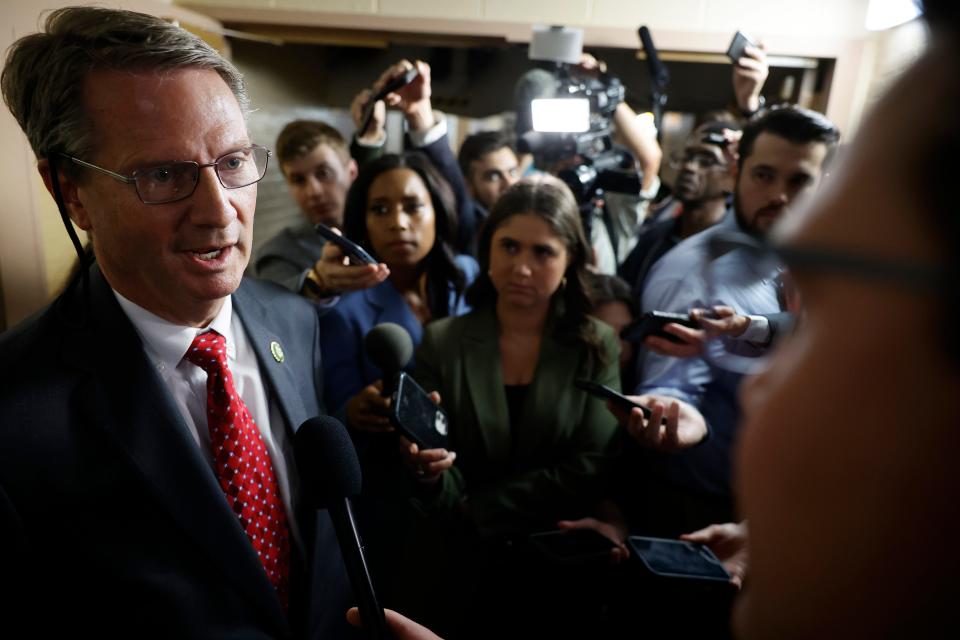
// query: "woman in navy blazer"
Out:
[401,211]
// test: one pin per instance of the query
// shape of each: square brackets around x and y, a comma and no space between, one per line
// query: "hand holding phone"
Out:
[652,324]
[573,545]
[355,252]
[619,400]
[393,84]
[737,46]
[416,416]
[678,560]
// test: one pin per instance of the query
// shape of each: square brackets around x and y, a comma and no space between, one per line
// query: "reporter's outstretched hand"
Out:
[403,627]
[369,410]
[376,132]
[413,99]
[335,274]
[721,321]
[729,543]
[608,530]
[684,425]
[749,74]
[692,345]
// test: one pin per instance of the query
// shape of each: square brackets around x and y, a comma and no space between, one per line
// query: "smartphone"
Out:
[354,251]
[414,414]
[652,323]
[573,545]
[606,393]
[392,85]
[678,559]
[737,46]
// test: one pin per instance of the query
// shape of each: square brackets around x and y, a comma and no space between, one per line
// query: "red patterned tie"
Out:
[242,462]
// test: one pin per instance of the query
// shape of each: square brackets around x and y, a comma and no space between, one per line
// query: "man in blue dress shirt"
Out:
[781,155]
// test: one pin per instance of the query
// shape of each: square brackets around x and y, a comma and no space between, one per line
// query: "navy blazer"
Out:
[346,366]
[112,521]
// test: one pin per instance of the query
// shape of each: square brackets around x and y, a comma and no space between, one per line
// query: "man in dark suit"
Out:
[147,482]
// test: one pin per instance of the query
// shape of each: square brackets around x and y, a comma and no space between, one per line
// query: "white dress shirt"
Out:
[165,344]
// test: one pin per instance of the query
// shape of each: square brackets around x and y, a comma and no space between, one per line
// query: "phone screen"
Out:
[678,558]
[416,416]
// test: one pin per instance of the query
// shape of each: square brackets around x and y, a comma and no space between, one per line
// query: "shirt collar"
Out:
[166,342]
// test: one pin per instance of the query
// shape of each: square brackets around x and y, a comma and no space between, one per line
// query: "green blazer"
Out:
[551,468]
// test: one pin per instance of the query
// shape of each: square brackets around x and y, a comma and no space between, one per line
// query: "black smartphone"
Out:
[623,402]
[354,251]
[573,545]
[737,46]
[392,85]
[678,559]
[652,323]
[606,393]
[414,414]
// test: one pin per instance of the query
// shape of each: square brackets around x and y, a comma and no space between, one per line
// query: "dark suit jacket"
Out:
[115,520]
[470,213]
[525,476]
[288,256]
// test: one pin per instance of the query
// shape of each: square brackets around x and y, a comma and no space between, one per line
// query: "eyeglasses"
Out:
[702,160]
[178,180]
[898,273]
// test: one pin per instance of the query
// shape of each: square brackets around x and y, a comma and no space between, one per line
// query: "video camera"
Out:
[571,112]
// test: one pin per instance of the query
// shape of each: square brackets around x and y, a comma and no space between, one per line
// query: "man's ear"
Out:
[68,189]
[352,170]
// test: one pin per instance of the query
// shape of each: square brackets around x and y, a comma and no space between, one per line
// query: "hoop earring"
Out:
[563,283]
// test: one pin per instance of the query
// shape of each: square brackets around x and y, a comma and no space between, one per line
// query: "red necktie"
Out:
[242,462]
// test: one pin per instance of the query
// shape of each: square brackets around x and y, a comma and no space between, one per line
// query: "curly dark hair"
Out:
[442,270]
[552,201]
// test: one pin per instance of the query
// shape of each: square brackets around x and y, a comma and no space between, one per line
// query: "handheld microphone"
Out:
[390,347]
[659,77]
[330,475]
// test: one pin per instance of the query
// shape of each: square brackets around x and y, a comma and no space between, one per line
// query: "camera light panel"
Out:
[561,115]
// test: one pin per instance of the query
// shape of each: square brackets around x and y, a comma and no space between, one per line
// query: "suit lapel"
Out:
[128,401]
[481,353]
[279,375]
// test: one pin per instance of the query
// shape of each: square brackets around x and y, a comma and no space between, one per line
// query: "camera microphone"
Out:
[390,347]
[659,74]
[330,476]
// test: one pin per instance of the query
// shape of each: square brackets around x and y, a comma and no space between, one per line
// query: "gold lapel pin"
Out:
[277,351]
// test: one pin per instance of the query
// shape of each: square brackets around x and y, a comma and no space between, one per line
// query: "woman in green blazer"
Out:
[530,447]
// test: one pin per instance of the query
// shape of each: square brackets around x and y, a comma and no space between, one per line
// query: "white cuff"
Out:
[758,331]
[425,138]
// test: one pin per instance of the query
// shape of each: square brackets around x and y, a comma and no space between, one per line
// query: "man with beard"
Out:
[703,185]
[781,155]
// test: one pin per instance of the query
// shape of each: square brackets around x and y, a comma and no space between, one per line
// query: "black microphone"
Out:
[390,347]
[659,74]
[330,475]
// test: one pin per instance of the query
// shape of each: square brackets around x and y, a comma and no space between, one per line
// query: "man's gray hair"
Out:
[43,77]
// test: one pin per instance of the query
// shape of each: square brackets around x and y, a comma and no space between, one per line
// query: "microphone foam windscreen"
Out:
[389,346]
[326,461]
[536,83]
